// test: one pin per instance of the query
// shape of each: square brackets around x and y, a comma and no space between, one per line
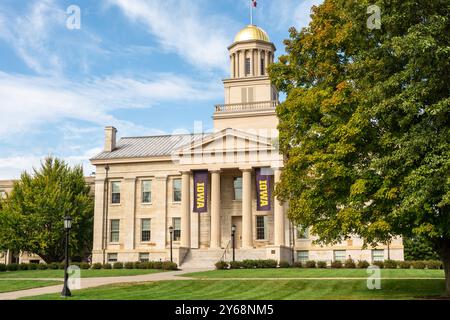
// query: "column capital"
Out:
[246,169]
[215,170]
[185,171]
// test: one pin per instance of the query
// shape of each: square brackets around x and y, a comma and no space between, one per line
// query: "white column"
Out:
[185,209]
[278,212]
[99,219]
[258,63]
[215,210]
[130,209]
[242,63]
[247,234]
[232,66]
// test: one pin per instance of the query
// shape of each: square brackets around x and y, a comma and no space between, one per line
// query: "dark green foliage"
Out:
[419,248]
[118,265]
[221,265]
[390,264]
[379,264]
[321,264]
[97,266]
[434,264]
[404,264]
[32,217]
[137,265]
[53,265]
[107,266]
[363,264]
[297,264]
[310,264]
[157,265]
[61,265]
[12,267]
[2,267]
[418,264]
[129,265]
[145,265]
[167,265]
[42,266]
[336,264]
[284,264]
[349,264]
[23,266]
[236,265]
[85,266]
[33,266]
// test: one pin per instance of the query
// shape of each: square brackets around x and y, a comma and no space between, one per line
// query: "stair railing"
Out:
[224,255]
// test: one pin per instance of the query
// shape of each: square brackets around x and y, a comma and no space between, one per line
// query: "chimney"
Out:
[110,139]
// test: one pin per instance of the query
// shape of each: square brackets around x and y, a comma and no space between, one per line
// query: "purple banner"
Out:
[200,191]
[263,191]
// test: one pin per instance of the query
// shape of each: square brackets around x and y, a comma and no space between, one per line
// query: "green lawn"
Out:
[12,285]
[258,290]
[315,273]
[84,273]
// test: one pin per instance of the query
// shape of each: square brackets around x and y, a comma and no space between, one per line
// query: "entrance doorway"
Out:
[237,221]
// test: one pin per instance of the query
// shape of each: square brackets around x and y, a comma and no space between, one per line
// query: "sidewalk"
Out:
[96,282]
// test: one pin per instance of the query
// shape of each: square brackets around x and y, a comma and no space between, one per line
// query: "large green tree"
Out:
[31,218]
[365,128]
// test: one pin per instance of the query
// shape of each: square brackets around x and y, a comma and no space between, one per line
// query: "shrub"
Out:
[157,265]
[379,264]
[284,264]
[167,265]
[33,266]
[404,264]
[62,265]
[321,264]
[310,264]
[84,265]
[390,264]
[2,267]
[53,265]
[118,265]
[42,266]
[22,267]
[136,265]
[129,265]
[12,267]
[363,264]
[270,264]
[236,265]
[144,265]
[107,266]
[349,264]
[418,264]
[97,266]
[297,264]
[249,264]
[433,264]
[336,264]
[221,265]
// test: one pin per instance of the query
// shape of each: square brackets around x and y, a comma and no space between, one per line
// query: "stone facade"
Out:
[245,129]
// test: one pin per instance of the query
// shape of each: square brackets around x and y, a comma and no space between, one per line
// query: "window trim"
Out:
[180,191]
[120,193]
[142,230]
[265,227]
[175,230]
[144,253]
[234,188]
[373,254]
[109,259]
[334,255]
[111,231]
[142,192]
[298,253]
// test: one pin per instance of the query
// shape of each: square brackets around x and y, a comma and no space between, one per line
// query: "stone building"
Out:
[201,185]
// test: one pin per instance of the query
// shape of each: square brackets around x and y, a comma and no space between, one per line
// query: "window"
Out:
[144,257]
[302,256]
[339,255]
[261,228]
[238,188]
[263,66]
[115,192]
[377,255]
[146,191]
[177,190]
[302,233]
[112,257]
[146,230]
[247,66]
[176,223]
[115,228]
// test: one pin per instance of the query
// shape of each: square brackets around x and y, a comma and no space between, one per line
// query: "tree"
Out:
[418,248]
[365,125]
[31,219]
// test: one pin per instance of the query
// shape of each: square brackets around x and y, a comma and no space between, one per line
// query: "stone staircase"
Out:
[206,258]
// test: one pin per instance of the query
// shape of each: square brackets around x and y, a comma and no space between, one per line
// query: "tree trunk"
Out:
[444,252]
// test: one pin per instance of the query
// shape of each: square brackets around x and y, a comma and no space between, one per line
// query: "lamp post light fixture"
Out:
[67,226]
[171,239]
[233,237]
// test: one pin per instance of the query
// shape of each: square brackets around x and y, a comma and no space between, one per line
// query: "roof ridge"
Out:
[167,135]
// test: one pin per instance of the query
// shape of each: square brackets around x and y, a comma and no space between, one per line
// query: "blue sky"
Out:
[145,66]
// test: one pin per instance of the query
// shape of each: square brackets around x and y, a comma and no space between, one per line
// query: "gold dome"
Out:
[251,32]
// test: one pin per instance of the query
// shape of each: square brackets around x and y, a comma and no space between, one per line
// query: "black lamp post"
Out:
[67,226]
[233,237]
[171,238]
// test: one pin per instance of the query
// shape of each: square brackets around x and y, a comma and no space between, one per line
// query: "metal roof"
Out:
[153,146]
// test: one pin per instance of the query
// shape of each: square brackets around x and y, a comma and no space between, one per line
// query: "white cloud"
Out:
[180,27]
[284,14]
[29,101]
